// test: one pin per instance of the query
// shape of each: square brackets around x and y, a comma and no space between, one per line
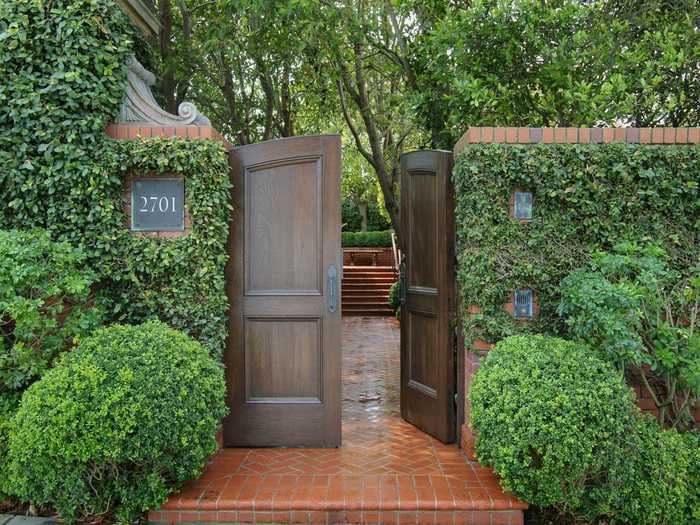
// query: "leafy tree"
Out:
[555,63]
[643,316]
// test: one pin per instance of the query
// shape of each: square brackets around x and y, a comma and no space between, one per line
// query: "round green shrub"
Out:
[118,424]
[547,414]
[394,299]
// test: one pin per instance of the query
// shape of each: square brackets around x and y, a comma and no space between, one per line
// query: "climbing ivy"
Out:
[62,65]
[586,198]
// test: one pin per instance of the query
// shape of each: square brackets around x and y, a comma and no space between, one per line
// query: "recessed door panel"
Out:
[423,340]
[424,239]
[283,360]
[283,216]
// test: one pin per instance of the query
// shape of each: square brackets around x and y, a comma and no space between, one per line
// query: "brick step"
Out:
[346,515]
[357,290]
[363,299]
[367,312]
[389,274]
[366,286]
[368,278]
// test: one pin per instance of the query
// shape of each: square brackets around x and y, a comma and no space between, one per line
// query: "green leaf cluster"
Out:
[587,198]
[641,315]
[45,295]
[555,63]
[366,239]
[118,424]
[559,426]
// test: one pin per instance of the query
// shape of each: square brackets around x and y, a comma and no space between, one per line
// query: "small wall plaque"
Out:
[158,204]
[523,205]
[523,303]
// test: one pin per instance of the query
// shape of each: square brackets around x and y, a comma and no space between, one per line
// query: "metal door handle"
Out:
[402,281]
[332,286]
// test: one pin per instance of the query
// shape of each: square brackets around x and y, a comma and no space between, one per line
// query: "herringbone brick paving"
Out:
[387,471]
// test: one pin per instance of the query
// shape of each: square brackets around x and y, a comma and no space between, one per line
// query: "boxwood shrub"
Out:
[117,425]
[366,239]
[548,414]
[649,479]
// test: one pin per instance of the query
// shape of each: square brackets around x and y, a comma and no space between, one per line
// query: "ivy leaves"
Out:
[586,198]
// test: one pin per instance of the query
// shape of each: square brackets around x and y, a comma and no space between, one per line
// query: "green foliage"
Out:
[118,424]
[555,63]
[648,481]
[44,308]
[366,239]
[63,70]
[395,298]
[692,509]
[352,220]
[548,413]
[641,315]
[587,198]
[180,281]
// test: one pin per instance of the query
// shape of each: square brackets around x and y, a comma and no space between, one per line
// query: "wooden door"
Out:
[428,297]
[283,356]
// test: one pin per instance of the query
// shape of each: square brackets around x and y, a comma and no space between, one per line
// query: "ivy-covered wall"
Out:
[587,197]
[62,66]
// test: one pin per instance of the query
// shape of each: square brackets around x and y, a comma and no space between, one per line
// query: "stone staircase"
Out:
[366,290]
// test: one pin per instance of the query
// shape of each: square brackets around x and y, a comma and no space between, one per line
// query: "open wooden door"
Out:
[283,357]
[428,297]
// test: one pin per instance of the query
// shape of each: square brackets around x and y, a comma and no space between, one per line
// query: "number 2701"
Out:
[153,203]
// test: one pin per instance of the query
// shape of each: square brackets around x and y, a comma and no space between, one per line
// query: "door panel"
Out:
[283,356]
[427,315]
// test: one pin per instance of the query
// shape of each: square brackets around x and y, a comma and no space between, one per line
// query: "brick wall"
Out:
[524,135]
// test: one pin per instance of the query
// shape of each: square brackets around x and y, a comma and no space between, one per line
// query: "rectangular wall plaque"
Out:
[158,204]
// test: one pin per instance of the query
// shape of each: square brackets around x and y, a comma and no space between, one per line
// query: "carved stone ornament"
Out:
[139,105]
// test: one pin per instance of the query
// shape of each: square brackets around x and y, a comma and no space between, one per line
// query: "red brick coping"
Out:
[520,135]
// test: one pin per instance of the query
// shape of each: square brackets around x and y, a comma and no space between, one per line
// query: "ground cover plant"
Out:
[117,425]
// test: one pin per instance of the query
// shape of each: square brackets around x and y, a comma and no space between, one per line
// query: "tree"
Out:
[368,60]
[556,63]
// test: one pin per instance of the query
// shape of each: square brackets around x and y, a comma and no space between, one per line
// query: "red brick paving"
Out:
[387,471]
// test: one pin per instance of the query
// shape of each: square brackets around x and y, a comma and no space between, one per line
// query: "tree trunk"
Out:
[363,216]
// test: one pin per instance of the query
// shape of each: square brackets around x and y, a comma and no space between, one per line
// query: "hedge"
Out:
[586,198]
[60,172]
[367,239]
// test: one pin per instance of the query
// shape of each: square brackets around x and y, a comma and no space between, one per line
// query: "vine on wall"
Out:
[586,198]
[63,70]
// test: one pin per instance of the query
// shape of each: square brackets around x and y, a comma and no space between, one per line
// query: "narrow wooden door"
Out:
[428,297]
[283,356]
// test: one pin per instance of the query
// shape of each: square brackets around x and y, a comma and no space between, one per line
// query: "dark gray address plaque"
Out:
[158,204]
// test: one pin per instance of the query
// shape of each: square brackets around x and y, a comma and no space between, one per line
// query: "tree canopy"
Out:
[395,75]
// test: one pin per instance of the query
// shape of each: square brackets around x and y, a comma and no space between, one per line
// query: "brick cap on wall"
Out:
[133,131]
[512,135]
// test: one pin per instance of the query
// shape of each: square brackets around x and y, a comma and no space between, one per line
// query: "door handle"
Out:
[332,288]
[402,281]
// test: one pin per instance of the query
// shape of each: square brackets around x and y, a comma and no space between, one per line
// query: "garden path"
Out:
[387,471]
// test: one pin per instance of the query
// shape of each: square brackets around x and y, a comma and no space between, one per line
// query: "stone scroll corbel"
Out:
[140,106]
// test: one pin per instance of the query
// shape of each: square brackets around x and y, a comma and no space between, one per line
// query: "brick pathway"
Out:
[386,471]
